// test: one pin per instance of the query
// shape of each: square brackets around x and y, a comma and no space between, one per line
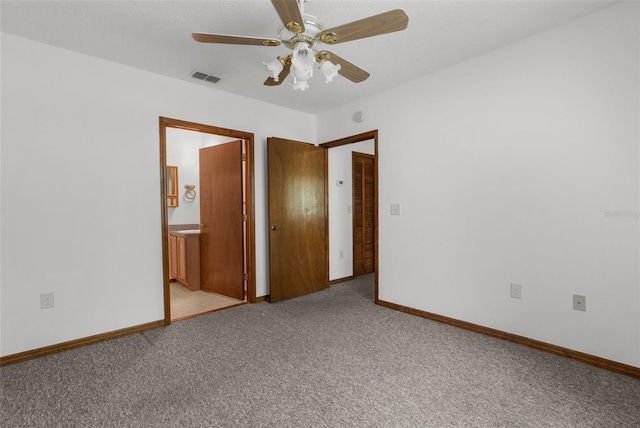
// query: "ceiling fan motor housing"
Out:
[312,27]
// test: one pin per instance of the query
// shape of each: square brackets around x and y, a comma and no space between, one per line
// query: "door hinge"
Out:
[244,157]
[245,277]
[244,217]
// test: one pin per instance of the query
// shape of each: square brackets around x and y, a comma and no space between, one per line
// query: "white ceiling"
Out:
[156,36]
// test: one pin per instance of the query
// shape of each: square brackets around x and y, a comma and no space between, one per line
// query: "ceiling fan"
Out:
[304,34]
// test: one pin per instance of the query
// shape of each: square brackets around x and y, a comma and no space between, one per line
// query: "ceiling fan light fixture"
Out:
[302,73]
[303,56]
[329,70]
[302,62]
[274,67]
[301,77]
[300,85]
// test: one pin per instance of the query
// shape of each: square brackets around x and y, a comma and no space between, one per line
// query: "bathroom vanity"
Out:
[184,257]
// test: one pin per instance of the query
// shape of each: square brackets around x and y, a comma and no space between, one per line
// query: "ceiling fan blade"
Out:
[234,40]
[289,14]
[347,69]
[387,22]
[283,75]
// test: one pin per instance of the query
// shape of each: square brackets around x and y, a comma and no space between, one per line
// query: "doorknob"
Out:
[274,228]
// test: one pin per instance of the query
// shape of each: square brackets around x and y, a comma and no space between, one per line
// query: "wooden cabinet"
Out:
[181,273]
[173,256]
[184,259]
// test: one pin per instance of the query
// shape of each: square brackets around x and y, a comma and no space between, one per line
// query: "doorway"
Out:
[342,215]
[242,176]
[308,188]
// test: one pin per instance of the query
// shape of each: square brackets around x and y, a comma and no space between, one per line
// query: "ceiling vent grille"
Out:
[206,77]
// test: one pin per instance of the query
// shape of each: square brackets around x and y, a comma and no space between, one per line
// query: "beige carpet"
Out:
[186,303]
[327,359]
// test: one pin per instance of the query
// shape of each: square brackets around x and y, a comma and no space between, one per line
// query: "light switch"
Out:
[395,209]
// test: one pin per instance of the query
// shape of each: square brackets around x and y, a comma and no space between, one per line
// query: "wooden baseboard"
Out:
[65,346]
[261,299]
[339,280]
[531,343]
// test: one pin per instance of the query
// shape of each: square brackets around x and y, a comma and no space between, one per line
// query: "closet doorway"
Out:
[205,182]
[353,216]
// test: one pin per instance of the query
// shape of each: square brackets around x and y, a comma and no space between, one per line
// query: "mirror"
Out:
[172,186]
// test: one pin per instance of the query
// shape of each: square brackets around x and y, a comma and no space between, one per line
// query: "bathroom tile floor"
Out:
[186,303]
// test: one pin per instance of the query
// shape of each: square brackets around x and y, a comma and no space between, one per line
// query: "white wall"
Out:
[340,207]
[505,166]
[80,178]
[183,151]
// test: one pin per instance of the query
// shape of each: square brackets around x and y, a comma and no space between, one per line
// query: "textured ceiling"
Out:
[156,36]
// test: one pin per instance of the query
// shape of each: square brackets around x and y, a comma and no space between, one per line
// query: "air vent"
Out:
[206,77]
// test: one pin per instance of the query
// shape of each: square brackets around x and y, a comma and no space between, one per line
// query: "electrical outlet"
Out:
[395,209]
[579,303]
[47,300]
[516,291]
[341,255]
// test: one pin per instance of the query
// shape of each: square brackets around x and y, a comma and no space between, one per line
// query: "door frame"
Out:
[369,135]
[249,183]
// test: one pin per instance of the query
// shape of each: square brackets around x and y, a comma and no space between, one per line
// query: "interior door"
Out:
[363,214]
[297,218]
[221,211]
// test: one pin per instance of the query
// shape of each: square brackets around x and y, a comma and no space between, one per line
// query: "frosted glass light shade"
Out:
[300,85]
[274,67]
[302,73]
[329,70]
[303,56]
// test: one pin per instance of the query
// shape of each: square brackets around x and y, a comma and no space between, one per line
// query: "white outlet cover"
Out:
[395,209]
[579,303]
[47,300]
[516,291]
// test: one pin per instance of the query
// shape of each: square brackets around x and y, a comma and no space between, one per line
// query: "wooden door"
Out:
[221,241]
[363,214]
[297,218]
